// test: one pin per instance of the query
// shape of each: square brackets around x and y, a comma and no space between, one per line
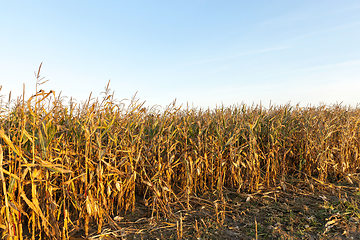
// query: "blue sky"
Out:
[206,53]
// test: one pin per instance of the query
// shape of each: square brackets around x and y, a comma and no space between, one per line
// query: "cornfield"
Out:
[79,165]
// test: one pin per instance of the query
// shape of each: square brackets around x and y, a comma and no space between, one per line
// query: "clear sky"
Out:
[206,53]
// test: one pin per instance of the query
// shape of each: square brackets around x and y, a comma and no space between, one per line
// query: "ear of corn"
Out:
[89,161]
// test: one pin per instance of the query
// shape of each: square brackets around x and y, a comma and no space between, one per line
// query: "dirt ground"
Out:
[297,210]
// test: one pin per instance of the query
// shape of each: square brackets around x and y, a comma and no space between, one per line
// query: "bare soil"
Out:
[293,210]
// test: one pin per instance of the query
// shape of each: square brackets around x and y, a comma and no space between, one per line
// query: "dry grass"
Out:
[65,168]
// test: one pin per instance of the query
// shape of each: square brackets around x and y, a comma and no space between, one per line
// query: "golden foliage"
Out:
[89,161]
